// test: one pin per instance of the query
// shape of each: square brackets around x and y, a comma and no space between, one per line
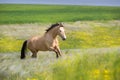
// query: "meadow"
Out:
[91,51]
[81,64]
[81,34]
[26,13]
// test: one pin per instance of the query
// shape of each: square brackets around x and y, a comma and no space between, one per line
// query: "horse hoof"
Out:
[34,56]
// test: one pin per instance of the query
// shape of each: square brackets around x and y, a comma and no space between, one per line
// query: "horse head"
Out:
[61,31]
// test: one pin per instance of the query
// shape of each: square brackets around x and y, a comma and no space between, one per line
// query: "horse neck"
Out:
[52,33]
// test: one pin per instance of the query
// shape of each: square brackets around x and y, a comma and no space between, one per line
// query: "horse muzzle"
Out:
[63,39]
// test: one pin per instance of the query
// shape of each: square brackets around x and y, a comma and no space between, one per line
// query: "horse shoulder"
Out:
[56,41]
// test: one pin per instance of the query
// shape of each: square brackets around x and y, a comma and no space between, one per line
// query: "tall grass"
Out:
[87,67]
[85,36]
[9,44]
[98,37]
[93,65]
[84,64]
[14,13]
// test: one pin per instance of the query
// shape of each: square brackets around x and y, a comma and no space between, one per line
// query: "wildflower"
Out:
[106,71]
[34,79]
[96,73]
[106,74]
[28,78]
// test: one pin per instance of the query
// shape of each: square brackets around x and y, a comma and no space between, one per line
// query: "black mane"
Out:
[52,26]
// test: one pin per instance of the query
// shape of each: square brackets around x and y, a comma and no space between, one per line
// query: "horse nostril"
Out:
[64,38]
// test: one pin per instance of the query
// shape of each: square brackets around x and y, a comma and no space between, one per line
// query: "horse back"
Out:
[36,43]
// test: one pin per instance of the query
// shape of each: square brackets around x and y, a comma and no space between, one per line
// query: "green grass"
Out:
[99,37]
[86,65]
[91,35]
[92,48]
[22,13]
[9,44]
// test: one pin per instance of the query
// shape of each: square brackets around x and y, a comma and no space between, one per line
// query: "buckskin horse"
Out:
[47,42]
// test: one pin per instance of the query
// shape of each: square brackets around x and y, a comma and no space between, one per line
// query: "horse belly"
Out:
[41,46]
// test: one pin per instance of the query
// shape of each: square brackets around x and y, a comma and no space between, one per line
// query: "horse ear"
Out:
[61,24]
[57,23]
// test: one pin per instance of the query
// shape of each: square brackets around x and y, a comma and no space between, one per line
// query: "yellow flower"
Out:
[34,79]
[106,71]
[106,74]
[106,77]
[28,78]
[96,73]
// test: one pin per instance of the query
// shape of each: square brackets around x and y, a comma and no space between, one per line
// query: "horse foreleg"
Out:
[56,54]
[58,50]
[53,49]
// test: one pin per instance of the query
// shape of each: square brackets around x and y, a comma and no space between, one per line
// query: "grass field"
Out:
[77,64]
[84,34]
[11,13]
[91,51]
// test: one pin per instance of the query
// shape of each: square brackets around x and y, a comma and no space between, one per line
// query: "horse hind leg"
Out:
[34,54]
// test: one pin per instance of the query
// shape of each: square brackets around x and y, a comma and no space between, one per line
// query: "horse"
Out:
[47,42]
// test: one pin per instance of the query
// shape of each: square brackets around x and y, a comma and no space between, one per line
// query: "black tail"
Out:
[24,46]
